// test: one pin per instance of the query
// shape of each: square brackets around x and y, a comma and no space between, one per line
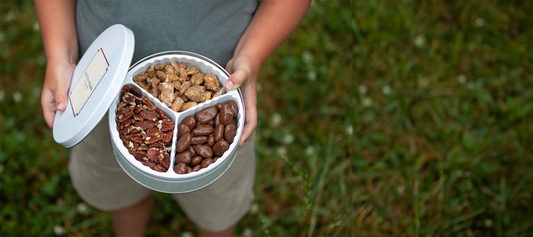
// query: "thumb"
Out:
[238,77]
[61,97]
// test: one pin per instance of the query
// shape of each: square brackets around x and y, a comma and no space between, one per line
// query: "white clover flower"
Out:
[276,119]
[247,232]
[187,234]
[349,130]
[41,60]
[362,89]
[259,87]
[10,16]
[420,40]
[254,208]
[2,95]
[60,202]
[17,97]
[311,75]
[400,189]
[282,151]
[386,90]
[480,22]
[367,102]
[59,230]
[310,150]
[36,26]
[487,223]
[82,208]
[288,139]
[461,79]
[307,57]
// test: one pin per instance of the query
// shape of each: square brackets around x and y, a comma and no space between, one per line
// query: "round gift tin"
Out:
[95,89]
[169,181]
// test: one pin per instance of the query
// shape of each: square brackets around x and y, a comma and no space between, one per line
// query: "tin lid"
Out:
[96,81]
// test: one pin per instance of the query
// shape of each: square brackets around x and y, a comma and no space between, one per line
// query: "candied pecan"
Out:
[195,93]
[220,92]
[197,78]
[191,70]
[174,66]
[176,85]
[188,105]
[150,71]
[161,75]
[169,69]
[140,77]
[211,82]
[206,96]
[177,104]
[155,89]
[160,67]
[143,85]
[167,93]
[171,78]
[185,86]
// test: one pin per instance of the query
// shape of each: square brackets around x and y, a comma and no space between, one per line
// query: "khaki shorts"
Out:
[101,182]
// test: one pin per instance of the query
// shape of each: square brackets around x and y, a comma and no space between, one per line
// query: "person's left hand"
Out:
[244,75]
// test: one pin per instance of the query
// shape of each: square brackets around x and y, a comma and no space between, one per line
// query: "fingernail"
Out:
[60,106]
[229,85]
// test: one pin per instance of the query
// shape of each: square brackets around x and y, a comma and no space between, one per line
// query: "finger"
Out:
[48,106]
[61,97]
[238,77]
[249,128]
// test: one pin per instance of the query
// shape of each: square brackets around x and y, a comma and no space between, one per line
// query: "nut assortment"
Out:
[204,138]
[145,130]
[179,86]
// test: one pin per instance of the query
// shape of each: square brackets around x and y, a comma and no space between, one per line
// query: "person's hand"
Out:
[55,89]
[244,75]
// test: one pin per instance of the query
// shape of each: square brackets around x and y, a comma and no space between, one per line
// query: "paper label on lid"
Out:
[89,80]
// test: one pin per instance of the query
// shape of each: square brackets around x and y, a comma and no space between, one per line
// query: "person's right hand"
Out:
[56,84]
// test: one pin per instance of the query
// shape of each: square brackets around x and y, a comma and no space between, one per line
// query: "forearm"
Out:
[273,22]
[57,21]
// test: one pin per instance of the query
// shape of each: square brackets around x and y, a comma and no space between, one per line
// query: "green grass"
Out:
[376,118]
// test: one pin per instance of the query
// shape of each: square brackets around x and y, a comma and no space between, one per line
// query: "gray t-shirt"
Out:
[211,28]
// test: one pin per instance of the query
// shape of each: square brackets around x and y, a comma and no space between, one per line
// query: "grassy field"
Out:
[376,118]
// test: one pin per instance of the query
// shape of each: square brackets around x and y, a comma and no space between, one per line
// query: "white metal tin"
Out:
[170,182]
[114,46]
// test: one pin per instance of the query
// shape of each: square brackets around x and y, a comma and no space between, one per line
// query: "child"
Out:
[238,34]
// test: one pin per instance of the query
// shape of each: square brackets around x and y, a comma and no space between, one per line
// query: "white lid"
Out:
[96,81]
